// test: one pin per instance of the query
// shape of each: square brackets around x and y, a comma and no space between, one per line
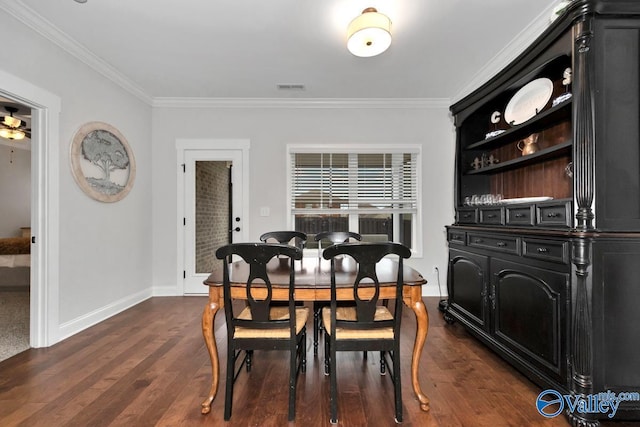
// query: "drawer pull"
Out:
[501,244]
[491,215]
[478,241]
[553,215]
[543,250]
[467,215]
[519,215]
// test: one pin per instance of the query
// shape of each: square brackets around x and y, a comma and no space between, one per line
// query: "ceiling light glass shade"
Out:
[12,134]
[369,34]
[11,121]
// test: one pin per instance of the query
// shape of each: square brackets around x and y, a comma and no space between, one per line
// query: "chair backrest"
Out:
[285,237]
[335,237]
[259,290]
[367,256]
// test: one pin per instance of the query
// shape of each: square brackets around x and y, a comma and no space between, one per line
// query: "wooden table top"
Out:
[315,273]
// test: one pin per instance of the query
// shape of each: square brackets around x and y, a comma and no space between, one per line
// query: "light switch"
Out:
[264,211]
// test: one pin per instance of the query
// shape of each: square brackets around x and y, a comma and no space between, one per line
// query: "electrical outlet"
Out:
[435,269]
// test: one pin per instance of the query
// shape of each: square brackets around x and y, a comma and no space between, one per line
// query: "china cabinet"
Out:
[544,253]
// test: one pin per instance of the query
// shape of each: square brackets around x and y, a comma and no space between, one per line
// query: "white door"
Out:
[213,211]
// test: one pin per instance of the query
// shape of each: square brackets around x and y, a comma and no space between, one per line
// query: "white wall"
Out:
[104,249]
[269,131]
[113,255]
[15,190]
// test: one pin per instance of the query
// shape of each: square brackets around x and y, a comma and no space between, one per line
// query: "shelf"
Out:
[547,153]
[543,120]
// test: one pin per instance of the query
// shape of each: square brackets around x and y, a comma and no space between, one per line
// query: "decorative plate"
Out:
[528,101]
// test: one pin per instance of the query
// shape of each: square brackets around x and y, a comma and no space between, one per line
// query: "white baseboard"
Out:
[81,323]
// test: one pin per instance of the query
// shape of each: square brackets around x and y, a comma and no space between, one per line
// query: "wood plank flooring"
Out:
[148,367]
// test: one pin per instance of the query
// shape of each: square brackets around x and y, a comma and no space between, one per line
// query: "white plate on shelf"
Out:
[528,101]
[525,200]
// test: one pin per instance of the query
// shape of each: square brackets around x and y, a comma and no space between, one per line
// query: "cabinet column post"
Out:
[584,139]
[582,332]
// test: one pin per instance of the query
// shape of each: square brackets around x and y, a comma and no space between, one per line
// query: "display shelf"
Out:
[542,120]
[548,153]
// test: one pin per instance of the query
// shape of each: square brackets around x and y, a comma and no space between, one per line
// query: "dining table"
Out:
[313,283]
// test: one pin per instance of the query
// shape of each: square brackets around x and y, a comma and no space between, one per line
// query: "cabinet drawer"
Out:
[548,250]
[519,216]
[491,216]
[467,216]
[554,214]
[504,244]
[457,237]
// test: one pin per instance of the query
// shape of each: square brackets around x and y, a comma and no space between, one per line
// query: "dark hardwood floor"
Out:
[148,367]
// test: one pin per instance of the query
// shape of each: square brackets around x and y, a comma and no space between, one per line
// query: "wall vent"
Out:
[290,87]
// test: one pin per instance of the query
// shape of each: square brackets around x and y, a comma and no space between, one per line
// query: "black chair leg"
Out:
[228,394]
[316,329]
[249,356]
[397,384]
[333,393]
[326,356]
[293,371]
[303,351]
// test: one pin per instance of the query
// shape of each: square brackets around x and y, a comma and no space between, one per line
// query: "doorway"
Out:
[213,207]
[45,111]
[15,227]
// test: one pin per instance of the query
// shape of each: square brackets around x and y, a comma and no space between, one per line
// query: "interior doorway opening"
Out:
[15,228]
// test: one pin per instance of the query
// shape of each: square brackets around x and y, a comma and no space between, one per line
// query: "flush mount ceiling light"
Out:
[369,34]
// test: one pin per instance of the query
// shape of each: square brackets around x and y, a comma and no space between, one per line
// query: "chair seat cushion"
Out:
[276,313]
[349,313]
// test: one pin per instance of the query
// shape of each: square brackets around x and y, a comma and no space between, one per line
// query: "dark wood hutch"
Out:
[548,274]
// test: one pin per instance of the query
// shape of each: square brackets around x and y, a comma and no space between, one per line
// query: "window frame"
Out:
[291,149]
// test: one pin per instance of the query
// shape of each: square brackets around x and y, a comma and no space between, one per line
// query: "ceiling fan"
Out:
[12,127]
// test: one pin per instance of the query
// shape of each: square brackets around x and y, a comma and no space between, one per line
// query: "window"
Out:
[372,191]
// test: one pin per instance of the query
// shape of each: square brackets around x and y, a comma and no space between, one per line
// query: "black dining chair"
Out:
[285,237]
[260,325]
[293,238]
[367,326]
[330,238]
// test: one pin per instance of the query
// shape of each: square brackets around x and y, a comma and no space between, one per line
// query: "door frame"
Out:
[209,149]
[45,215]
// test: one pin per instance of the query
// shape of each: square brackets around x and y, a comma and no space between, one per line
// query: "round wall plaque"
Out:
[102,162]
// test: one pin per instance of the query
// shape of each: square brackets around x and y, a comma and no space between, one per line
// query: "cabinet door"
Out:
[467,286]
[529,314]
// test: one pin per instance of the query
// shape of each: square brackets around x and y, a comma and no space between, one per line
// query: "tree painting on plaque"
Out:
[102,162]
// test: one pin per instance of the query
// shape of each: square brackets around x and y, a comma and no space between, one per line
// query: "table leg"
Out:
[422,318]
[208,316]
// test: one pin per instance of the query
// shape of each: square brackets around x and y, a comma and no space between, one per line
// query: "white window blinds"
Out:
[353,182]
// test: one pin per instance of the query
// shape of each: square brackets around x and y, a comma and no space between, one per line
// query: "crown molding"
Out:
[317,103]
[30,18]
[507,54]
